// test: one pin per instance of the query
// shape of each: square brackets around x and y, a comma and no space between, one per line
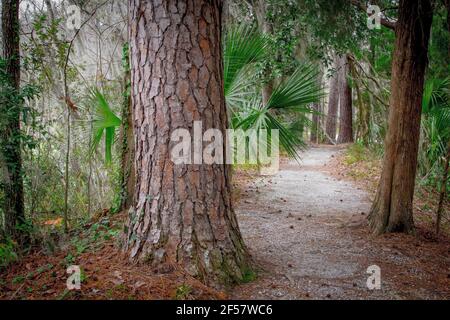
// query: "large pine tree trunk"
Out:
[333,103]
[182,214]
[345,103]
[392,208]
[10,146]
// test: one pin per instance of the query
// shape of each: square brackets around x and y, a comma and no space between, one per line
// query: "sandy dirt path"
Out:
[305,230]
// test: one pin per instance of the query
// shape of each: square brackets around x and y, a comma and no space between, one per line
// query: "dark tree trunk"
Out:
[127,174]
[443,193]
[10,148]
[315,124]
[333,102]
[345,103]
[182,214]
[392,210]
[447,4]
[363,111]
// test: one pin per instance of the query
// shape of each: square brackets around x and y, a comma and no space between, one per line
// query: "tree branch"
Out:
[384,21]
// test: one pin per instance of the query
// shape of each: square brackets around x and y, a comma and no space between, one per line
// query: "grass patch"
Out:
[183,292]
[249,276]
[356,153]
[18,279]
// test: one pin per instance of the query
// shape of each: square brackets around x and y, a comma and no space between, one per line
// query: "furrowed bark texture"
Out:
[392,208]
[127,173]
[182,214]
[10,145]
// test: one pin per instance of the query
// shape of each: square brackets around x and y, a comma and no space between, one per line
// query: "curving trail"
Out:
[306,231]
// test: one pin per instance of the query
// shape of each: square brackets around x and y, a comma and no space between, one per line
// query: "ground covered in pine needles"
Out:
[306,228]
[105,272]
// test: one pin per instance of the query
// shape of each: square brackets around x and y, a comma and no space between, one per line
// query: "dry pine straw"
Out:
[106,275]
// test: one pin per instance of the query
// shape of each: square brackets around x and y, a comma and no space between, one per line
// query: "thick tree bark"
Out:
[182,214]
[345,103]
[10,141]
[392,210]
[333,102]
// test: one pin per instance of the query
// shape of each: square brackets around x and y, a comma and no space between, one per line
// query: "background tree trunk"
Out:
[260,7]
[392,210]
[443,193]
[333,102]
[182,214]
[127,174]
[345,103]
[315,124]
[447,4]
[10,141]
[363,111]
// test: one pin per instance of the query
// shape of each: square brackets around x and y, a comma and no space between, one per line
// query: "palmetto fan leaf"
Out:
[243,47]
[435,122]
[105,123]
[298,91]
[242,89]
[295,95]
[435,94]
[259,118]
[436,106]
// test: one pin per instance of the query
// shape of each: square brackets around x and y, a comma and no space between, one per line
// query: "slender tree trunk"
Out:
[265,27]
[314,138]
[363,115]
[127,175]
[392,210]
[10,141]
[345,103]
[333,102]
[443,192]
[447,4]
[182,214]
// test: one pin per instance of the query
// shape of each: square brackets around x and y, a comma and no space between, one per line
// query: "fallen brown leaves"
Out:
[106,274]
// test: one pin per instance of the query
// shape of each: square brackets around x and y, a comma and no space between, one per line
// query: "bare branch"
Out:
[384,21]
